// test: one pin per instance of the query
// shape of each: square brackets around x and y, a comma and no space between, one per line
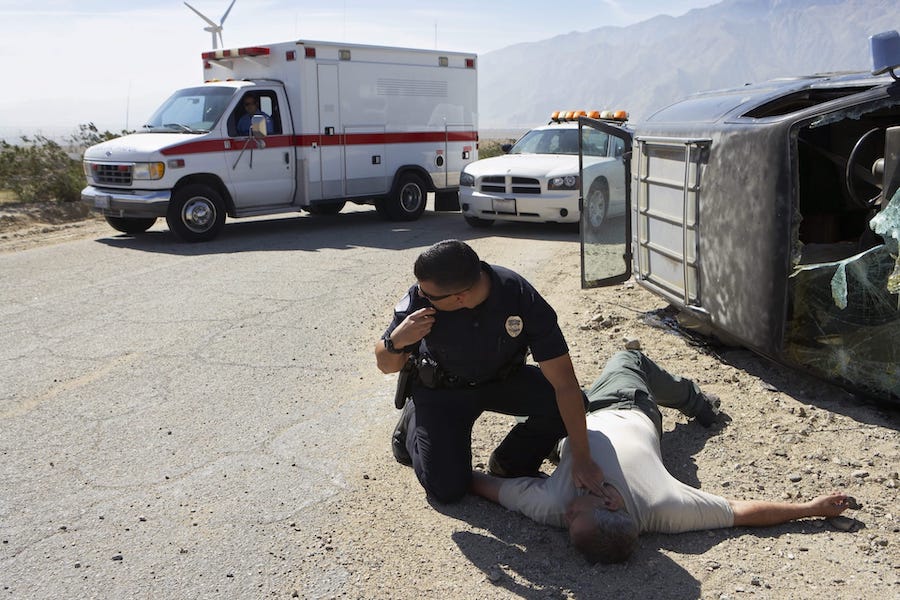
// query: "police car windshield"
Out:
[561,141]
[192,110]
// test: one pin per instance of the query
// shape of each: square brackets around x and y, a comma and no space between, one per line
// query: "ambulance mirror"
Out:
[258,126]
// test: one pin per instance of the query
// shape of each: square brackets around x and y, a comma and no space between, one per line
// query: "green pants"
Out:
[631,380]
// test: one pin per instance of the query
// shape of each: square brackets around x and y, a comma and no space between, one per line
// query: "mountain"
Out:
[649,65]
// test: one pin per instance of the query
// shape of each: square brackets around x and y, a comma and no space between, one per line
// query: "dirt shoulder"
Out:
[24,226]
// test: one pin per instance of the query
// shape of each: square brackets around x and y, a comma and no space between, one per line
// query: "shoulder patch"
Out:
[514,325]
[403,305]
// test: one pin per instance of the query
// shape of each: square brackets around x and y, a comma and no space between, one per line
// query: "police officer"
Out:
[468,326]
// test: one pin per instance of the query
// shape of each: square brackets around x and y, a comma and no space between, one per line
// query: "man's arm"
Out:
[412,329]
[758,513]
[561,374]
[486,486]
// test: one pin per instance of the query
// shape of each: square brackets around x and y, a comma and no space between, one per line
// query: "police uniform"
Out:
[477,356]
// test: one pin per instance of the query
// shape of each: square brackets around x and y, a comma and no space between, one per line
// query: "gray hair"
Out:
[612,539]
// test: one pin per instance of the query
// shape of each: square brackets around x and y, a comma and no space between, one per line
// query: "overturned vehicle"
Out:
[769,215]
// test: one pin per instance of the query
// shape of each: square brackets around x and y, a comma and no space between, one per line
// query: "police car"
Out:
[537,180]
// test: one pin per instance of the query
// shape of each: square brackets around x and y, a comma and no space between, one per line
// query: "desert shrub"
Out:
[41,169]
[489,148]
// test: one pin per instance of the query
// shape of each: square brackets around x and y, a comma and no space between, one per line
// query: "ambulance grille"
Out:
[111,174]
[517,185]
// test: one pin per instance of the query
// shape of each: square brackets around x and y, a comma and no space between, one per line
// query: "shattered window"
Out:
[845,320]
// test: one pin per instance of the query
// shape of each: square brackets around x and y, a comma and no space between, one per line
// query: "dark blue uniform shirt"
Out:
[474,344]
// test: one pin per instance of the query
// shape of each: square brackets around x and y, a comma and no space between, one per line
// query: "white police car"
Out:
[537,180]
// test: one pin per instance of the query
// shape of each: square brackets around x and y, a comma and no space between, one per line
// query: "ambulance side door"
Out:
[261,169]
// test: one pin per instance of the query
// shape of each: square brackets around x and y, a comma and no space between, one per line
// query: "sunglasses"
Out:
[432,298]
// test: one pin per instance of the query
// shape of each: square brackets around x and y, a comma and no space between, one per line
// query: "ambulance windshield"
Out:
[191,110]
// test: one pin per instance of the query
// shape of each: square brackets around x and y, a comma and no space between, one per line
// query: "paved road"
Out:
[172,416]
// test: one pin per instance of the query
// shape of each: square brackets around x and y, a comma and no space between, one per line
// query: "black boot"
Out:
[398,439]
[709,414]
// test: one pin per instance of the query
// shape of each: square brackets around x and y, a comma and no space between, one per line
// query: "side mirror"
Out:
[258,126]
[506,148]
[885,48]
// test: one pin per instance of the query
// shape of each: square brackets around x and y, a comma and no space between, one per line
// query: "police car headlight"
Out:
[148,171]
[466,179]
[569,182]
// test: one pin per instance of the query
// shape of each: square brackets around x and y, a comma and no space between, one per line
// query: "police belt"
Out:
[431,375]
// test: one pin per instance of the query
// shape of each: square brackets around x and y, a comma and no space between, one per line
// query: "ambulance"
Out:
[332,123]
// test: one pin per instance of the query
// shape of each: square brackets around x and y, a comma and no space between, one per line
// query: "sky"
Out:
[112,62]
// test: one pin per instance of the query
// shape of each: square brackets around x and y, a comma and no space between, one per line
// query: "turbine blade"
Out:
[225,16]
[200,14]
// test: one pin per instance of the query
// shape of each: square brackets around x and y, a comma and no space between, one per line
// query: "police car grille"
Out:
[112,174]
[518,185]
[525,185]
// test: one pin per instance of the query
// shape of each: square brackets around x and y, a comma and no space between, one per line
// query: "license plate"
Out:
[505,206]
[101,202]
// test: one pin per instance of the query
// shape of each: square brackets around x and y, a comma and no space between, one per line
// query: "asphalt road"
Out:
[173,417]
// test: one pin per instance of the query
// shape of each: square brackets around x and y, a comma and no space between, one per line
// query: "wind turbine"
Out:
[215,30]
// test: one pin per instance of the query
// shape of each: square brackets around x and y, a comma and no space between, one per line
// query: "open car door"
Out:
[604,162]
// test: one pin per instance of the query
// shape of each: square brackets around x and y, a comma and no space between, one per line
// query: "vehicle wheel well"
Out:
[213,182]
[414,170]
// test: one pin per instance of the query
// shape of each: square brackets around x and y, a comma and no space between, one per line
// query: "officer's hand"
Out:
[414,327]
[588,475]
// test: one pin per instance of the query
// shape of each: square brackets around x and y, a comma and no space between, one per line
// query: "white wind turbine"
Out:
[215,30]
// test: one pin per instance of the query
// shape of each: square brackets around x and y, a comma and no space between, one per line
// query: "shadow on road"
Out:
[362,228]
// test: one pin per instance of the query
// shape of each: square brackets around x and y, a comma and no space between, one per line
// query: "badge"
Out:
[514,326]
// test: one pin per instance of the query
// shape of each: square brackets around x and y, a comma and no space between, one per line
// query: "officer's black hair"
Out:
[450,265]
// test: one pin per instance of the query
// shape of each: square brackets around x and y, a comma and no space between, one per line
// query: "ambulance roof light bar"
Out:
[235,52]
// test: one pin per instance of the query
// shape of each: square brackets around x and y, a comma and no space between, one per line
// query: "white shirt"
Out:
[624,443]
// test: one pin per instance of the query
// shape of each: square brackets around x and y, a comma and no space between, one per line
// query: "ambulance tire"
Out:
[132,225]
[332,208]
[407,203]
[196,213]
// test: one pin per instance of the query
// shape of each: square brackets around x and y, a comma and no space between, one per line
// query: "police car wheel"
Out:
[597,203]
[407,203]
[131,225]
[196,213]
[478,223]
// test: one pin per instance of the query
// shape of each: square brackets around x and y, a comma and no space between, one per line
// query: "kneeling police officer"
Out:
[468,326]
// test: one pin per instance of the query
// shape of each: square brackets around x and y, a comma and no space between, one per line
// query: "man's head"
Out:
[600,528]
[251,104]
[446,272]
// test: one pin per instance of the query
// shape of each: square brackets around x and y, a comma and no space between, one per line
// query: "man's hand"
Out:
[831,505]
[414,327]
[588,475]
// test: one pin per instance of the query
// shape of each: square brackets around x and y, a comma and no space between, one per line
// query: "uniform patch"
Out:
[514,325]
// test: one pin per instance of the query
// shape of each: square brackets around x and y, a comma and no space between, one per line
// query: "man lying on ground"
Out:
[624,430]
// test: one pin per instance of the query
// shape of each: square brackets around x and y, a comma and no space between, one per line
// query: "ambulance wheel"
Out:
[478,223]
[407,203]
[196,213]
[131,225]
[332,208]
[597,204]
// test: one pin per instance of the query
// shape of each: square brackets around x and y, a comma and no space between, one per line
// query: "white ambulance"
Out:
[331,123]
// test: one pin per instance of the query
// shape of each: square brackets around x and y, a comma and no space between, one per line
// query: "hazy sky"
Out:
[112,62]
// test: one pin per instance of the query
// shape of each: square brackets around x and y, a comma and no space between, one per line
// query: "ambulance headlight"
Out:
[148,171]
[569,182]
[466,179]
